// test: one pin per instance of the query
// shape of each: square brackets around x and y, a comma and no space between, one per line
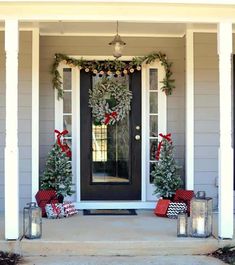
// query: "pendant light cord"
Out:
[117,27]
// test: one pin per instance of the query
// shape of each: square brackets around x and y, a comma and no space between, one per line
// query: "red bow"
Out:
[64,146]
[109,116]
[168,138]
[56,209]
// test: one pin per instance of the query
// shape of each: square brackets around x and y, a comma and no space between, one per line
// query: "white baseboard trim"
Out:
[114,205]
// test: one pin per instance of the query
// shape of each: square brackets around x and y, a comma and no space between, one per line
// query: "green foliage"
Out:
[110,95]
[166,176]
[116,67]
[226,254]
[58,172]
[9,258]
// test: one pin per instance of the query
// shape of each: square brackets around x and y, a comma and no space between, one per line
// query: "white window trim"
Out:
[162,123]
[147,200]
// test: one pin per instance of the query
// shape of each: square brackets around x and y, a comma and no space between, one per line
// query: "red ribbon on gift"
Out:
[109,116]
[64,146]
[168,138]
[56,209]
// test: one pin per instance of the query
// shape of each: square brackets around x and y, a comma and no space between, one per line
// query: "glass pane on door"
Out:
[111,149]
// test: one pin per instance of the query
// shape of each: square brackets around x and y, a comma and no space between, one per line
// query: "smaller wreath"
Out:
[110,100]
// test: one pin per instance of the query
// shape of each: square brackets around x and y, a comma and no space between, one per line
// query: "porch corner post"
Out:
[225,150]
[11,146]
[189,112]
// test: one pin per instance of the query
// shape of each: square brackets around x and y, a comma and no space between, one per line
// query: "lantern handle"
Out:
[31,204]
[201,195]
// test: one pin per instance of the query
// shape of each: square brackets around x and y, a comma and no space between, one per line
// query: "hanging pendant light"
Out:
[117,44]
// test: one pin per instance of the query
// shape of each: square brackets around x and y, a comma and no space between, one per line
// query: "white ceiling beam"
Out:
[134,35]
[204,2]
[124,12]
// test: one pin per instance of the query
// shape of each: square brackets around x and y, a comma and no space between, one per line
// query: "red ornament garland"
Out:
[168,138]
[64,146]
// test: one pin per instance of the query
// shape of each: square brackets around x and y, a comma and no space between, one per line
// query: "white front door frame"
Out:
[146,187]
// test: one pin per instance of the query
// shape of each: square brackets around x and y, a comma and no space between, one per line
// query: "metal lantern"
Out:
[117,44]
[182,225]
[32,221]
[201,215]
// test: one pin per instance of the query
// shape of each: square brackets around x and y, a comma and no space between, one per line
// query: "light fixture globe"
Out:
[118,45]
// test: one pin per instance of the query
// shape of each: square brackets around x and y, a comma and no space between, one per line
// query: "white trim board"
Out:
[129,35]
[115,205]
[194,29]
[189,111]
[35,113]
[206,2]
[162,122]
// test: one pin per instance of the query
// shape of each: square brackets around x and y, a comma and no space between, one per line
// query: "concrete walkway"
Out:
[101,260]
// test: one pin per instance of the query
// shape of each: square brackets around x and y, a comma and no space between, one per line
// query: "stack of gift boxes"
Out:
[179,204]
[51,208]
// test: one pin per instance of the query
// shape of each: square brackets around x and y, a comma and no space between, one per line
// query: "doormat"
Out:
[110,212]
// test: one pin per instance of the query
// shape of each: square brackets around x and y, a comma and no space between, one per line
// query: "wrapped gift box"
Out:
[161,207]
[184,196]
[69,209]
[175,208]
[55,210]
[44,197]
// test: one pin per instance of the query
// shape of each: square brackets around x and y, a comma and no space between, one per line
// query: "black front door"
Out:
[110,154]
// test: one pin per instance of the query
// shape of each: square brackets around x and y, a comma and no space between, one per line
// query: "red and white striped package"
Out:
[69,209]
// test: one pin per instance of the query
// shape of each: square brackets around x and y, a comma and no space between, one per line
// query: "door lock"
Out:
[137,137]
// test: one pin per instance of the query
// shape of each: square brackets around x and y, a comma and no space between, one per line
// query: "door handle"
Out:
[137,137]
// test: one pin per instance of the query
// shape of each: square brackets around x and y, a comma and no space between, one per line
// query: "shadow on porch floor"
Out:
[144,234]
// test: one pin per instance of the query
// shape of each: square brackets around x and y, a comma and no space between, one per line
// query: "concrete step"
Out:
[180,246]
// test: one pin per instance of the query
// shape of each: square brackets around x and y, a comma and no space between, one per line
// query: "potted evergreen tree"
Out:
[58,173]
[166,177]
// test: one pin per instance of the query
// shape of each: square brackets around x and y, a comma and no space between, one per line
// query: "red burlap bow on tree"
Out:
[168,138]
[109,116]
[63,145]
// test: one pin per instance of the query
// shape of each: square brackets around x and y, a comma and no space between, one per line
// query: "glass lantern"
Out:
[182,225]
[118,44]
[32,221]
[201,215]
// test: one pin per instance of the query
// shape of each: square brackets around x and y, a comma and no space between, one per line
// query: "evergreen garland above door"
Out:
[115,67]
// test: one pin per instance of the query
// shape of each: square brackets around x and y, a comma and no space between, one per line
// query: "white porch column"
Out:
[189,112]
[11,148]
[225,151]
[35,112]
